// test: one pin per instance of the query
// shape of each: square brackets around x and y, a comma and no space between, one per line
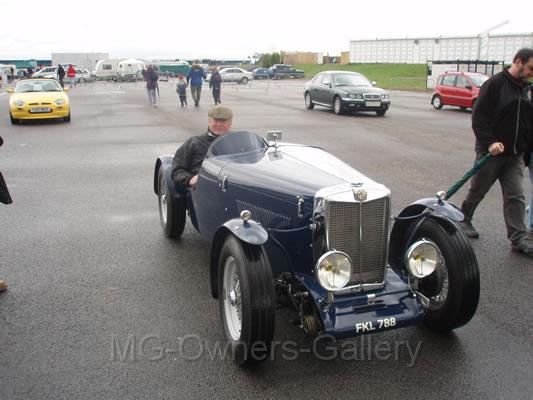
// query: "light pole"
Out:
[483,43]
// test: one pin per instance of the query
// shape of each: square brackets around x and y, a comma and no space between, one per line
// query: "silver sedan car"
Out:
[235,74]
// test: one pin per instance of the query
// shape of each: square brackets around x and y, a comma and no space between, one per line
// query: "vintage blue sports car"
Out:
[293,223]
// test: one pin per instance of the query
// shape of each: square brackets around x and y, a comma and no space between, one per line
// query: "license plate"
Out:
[373,104]
[40,110]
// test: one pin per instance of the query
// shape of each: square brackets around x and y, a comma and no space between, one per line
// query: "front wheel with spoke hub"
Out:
[247,300]
[453,287]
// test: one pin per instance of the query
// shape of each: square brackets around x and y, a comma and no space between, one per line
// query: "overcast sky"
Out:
[238,28]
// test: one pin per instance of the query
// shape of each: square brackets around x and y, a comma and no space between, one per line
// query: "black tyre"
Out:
[453,288]
[171,210]
[436,102]
[308,102]
[67,118]
[337,105]
[381,113]
[244,80]
[14,121]
[247,300]
[463,108]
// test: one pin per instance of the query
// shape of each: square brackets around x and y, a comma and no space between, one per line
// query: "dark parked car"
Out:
[459,89]
[292,224]
[261,73]
[283,71]
[345,91]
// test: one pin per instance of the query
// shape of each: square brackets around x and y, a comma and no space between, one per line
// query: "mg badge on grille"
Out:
[360,194]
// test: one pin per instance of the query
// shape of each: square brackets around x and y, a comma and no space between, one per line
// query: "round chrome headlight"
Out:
[333,270]
[422,258]
[59,102]
[19,103]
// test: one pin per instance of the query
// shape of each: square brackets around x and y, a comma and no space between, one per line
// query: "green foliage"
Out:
[386,76]
[269,59]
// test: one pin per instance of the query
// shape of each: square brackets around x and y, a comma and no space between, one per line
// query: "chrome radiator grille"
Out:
[371,96]
[361,230]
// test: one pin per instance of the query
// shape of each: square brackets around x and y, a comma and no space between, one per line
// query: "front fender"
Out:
[165,162]
[405,223]
[249,232]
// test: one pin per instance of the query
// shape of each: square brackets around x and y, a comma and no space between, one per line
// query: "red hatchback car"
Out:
[457,89]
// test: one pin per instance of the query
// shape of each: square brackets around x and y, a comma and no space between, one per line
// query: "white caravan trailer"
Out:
[106,69]
[130,69]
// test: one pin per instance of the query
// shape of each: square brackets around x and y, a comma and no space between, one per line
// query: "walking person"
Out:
[151,77]
[71,74]
[215,84]
[195,79]
[61,75]
[501,122]
[181,89]
[6,199]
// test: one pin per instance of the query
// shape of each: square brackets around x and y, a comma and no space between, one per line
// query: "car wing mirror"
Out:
[468,87]
[273,137]
[9,90]
[66,89]
[374,83]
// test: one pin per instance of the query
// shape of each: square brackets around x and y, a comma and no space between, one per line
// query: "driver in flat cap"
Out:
[189,156]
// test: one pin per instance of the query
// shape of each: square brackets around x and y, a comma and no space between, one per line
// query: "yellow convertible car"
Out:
[38,99]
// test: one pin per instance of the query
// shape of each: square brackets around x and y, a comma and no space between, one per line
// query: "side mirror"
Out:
[374,83]
[9,90]
[66,89]
[468,87]
[273,137]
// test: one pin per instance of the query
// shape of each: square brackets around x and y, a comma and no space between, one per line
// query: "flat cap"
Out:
[220,113]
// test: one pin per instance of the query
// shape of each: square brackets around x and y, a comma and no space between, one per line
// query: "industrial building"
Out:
[421,50]
[82,60]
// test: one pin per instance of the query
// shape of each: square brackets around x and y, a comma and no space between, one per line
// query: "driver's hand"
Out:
[193,180]
[496,148]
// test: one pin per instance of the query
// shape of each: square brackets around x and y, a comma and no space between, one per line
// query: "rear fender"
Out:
[248,232]
[175,190]
[406,223]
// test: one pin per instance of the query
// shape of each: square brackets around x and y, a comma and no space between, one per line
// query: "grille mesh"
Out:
[371,96]
[361,231]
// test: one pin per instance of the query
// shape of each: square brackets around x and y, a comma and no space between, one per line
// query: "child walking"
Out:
[181,89]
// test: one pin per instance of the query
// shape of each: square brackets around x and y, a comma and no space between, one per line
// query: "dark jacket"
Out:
[196,75]
[529,150]
[4,192]
[189,156]
[502,113]
[60,72]
[151,77]
[216,81]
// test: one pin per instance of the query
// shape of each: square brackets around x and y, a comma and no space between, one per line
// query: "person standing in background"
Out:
[61,75]
[71,74]
[215,84]
[195,79]
[181,89]
[151,77]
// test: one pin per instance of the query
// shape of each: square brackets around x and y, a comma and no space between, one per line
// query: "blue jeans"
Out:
[530,219]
